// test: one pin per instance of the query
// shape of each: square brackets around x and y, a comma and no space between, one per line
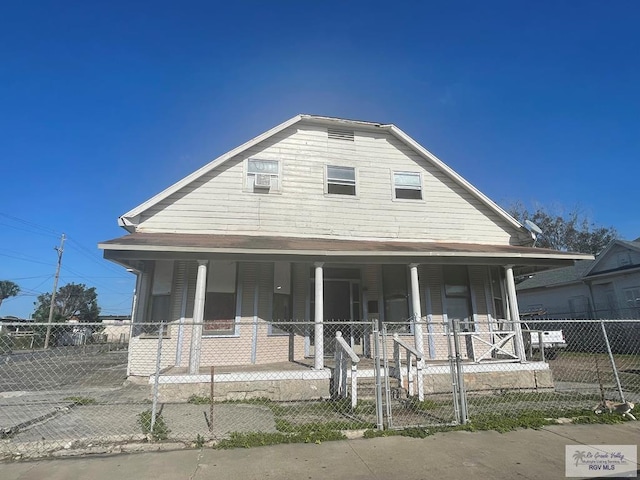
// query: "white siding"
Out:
[218,202]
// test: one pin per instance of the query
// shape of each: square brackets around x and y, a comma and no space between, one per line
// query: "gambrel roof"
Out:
[128,219]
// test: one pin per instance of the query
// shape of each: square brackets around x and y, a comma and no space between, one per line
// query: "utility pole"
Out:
[60,251]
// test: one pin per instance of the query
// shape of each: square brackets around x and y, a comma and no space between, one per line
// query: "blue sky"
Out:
[104,104]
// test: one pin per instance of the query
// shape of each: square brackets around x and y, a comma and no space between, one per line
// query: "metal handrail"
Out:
[340,380]
[407,347]
[411,351]
[346,347]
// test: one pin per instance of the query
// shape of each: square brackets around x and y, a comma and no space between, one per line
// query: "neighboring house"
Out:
[117,328]
[11,324]
[607,287]
[356,213]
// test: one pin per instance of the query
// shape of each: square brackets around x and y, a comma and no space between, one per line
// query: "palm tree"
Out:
[579,456]
[8,289]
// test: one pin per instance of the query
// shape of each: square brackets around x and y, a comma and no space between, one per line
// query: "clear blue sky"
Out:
[104,104]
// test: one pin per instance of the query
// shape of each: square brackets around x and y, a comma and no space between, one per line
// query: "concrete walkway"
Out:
[525,454]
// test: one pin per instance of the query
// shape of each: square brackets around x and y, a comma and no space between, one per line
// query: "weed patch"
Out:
[160,429]
[81,400]
[198,400]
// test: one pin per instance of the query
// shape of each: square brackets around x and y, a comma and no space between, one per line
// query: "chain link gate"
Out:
[409,392]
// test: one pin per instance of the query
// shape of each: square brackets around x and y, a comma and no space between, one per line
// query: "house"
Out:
[321,219]
[116,328]
[605,288]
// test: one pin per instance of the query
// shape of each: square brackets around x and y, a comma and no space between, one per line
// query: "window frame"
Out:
[395,187]
[273,329]
[237,297]
[328,180]
[249,182]
[282,288]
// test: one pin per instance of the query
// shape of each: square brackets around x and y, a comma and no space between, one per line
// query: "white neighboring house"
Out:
[354,212]
[607,287]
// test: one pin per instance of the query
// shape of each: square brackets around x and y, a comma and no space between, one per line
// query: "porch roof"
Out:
[145,245]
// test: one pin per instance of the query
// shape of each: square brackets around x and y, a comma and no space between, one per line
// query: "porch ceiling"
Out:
[252,247]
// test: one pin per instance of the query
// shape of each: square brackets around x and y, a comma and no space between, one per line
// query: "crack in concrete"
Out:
[373,474]
[198,460]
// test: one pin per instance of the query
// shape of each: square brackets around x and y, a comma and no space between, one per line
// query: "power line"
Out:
[25,259]
[29,278]
[89,280]
[31,224]
[87,253]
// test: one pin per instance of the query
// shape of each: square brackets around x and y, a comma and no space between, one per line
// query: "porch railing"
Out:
[410,353]
[344,354]
[497,343]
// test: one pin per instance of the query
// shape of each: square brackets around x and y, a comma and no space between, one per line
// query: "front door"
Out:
[341,291]
[337,312]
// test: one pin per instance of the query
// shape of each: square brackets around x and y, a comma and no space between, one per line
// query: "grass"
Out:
[311,422]
[81,400]
[198,400]
[306,431]
[505,423]
[310,433]
[160,429]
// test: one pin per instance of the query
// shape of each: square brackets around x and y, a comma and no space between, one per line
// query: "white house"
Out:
[319,218]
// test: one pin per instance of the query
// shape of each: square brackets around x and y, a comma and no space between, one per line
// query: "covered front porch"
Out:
[229,301]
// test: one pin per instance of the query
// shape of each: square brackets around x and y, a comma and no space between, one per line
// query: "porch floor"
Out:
[365,365]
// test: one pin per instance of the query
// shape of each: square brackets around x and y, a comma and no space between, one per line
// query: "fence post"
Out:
[376,357]
[339,383]
[464,417]
[156,380]
[612,360]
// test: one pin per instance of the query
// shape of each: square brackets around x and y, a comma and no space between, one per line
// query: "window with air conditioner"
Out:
[407,185]
[263,175]
[341,180]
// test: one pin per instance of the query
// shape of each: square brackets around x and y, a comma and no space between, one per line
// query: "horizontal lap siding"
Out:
[216,202]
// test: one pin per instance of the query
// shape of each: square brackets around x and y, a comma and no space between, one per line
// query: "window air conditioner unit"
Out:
[262,180]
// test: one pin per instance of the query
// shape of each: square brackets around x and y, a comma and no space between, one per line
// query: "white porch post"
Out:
[417,326]
[417,311]
[318,334]
[198,317]
[515,313]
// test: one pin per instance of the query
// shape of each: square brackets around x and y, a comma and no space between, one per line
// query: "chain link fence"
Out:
[196,383]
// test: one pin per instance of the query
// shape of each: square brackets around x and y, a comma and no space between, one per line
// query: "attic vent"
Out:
[337,134]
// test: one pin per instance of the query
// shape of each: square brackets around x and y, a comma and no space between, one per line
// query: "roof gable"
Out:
[128,220]
[618,255]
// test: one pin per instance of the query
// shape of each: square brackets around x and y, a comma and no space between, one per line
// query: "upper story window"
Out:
[341,180]
[407,185]
[263,175]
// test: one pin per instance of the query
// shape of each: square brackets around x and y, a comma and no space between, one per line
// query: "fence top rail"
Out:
[407,347]
[346,347]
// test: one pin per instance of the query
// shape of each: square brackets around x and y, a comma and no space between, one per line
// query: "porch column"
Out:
[143,288]
[318,333]
[515,313]
[198,317]
[415,306]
